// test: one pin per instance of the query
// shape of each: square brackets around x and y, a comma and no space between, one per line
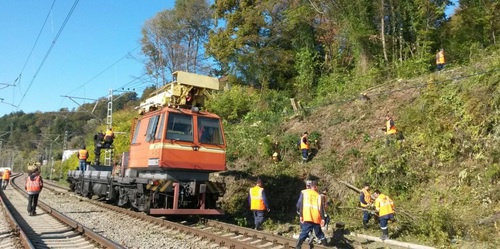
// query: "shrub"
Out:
[234,103]
[493,173]
[441,224]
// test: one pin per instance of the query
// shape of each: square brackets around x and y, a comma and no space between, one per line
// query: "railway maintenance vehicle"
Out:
[174,147]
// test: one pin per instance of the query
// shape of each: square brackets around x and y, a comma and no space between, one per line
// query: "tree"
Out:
[173,39]
[473,26]
[260,40]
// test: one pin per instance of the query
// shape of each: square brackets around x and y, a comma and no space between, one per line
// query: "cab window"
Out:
[162,121]
[209,131]
[180,127]
[136,131]
[152,126]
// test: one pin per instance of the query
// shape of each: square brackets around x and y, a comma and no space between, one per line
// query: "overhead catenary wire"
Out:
[36,41]
[103,71]
[106,69]
[49,50]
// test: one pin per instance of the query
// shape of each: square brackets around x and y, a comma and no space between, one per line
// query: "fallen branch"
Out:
[489,220]
[362,209]
[391,242]
[351,186]
[398,210]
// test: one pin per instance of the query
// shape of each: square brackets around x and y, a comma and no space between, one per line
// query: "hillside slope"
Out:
[444,176]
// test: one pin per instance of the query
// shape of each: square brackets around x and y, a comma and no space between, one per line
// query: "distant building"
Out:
[67,154]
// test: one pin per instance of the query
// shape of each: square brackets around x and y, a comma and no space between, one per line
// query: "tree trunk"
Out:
[382,29]
[394,32]
[195,59]
[493,30]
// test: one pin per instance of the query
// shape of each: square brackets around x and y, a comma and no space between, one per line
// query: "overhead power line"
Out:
[38,37]
[106,69]
[50,49]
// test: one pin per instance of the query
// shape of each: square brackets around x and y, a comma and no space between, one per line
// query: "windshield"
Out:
[180,127]
[209,131]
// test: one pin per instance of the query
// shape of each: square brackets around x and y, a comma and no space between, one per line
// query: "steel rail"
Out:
[23,237]
[238,230]
[275,239]
[99,239]
[205,235]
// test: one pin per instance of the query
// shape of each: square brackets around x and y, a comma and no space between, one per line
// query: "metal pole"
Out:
[50,156]
[64,148]
[11,164]
[1,162]
[61,169]
[51,168]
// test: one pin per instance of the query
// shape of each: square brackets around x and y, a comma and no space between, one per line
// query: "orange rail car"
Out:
[173,150]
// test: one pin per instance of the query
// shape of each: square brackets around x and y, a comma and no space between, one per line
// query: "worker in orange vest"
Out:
[390,128]
[83,154]
[33,186]
[440,60]
[304,147]
[365,201]
[311,212]
[5,178]
[258,203]
[385,208]
[109,138]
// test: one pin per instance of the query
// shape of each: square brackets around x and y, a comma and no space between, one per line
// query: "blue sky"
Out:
[99,35]
[98,50]
[451,9]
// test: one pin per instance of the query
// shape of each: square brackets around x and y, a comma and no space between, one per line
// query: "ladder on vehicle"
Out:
[108,153]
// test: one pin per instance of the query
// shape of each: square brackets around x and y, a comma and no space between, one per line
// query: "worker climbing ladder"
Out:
[108,153]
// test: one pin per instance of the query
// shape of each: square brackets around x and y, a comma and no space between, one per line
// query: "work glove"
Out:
[268,210]
[322,222]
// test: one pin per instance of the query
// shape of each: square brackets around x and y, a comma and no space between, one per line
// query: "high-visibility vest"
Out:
[303,146]
[82,154]
[368,198]
[440,58]
[34,186]
[311,206]
[391,129]
[256,200]
[6,175]
[384,205]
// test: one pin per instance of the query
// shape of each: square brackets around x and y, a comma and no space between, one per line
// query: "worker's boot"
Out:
[311,239]
[299,244]
[323,242]
[385,234]
[365,224]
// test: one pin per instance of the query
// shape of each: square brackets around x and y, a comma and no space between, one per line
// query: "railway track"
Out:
[48,228]
[211,233]
[9,232]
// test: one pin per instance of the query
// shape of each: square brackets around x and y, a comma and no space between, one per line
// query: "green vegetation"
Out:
[444,176]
